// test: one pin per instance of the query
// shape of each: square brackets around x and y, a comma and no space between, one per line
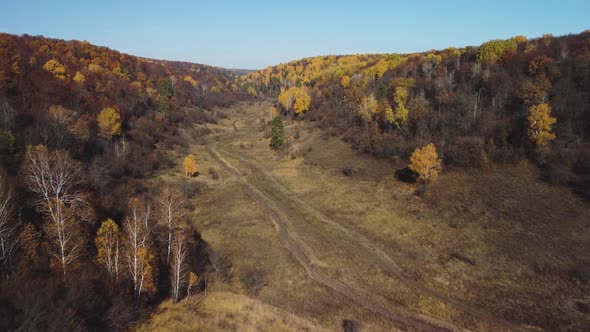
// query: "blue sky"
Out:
[255,34]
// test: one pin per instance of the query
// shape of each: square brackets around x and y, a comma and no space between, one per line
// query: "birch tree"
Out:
[170,213]
[137,228]
[179,270]
[54,177]
[8,239]
[107,246]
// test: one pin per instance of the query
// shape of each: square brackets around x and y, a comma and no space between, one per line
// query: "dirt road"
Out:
[315,241]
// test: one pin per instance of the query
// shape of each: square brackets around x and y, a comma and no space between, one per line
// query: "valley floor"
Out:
[489,249]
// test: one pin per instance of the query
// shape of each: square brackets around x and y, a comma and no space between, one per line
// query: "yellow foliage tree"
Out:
[107,246]
[79,78]
[424,162]
[190,165]
[296,99]
[540,122]
[367,108]
[56,68]
[190,80]
[146,271]
[109,122]
[302,101]
[345,81]
[286,99]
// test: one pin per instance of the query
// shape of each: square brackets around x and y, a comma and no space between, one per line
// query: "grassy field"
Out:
[224,311]
[497,238]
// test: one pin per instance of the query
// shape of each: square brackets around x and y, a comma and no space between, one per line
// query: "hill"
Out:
[473,103]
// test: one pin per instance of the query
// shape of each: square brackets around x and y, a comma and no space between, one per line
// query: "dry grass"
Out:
[233,226]
[496,237]
[522,236]
[224,311]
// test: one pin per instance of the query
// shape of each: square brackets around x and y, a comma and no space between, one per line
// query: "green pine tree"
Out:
[277,132]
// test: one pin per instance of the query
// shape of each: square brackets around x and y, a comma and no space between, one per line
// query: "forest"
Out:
[505,100]
[79,126]
[88,241]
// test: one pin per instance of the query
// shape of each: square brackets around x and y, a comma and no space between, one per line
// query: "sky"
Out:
[256,34]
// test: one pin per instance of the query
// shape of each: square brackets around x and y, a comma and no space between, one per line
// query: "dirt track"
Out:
[289,214]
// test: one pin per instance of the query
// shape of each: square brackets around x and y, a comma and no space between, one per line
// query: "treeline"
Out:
[502,101]
[86,241]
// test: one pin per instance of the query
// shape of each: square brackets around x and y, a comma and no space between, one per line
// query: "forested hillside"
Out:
[502,101]
[88,238]
[109,162]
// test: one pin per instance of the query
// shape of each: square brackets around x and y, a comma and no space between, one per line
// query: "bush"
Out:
[222,265]
[253,280]
[351,326]
[213,173]
[406,175]
[348,171]
[190,188]
[466,152]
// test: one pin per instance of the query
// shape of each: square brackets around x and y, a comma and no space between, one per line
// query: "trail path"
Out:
[301,228]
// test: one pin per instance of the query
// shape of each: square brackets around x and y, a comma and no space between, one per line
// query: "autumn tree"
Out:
[425,163]
[190,165]
[277,132]
[193,280]
[179,269]
[136,243]
[146,277]
[169,206]
[57,69]
[400,98]
[367,108]
[295,99]
[302,100]
[109,122]
[54,177]
[540,122]
[8,236]
[60,118]
[491,51]
[107,246]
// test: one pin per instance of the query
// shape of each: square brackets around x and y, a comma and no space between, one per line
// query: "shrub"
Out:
[253,280]
[190,188]
[351,326]
[348,171]
[467,152]
[213,173]
[222,265]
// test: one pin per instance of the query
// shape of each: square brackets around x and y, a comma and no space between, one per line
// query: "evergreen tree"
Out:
[277,132]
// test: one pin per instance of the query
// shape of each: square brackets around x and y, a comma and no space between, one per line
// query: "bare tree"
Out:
[7,115]
[54,177]
[59,120]
[179,270]
[170,213]
[137,230]
[8,238]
